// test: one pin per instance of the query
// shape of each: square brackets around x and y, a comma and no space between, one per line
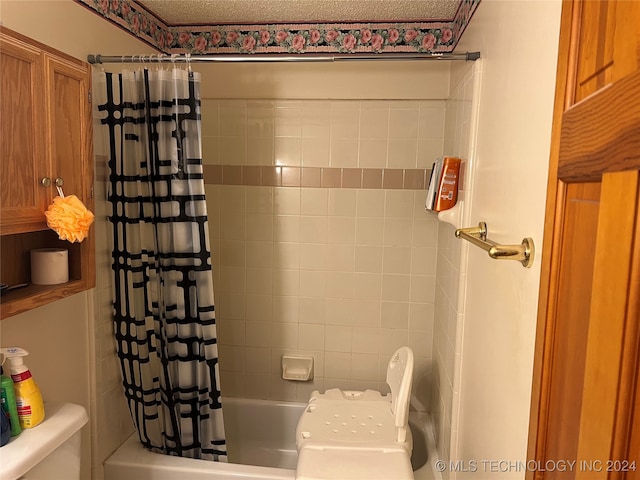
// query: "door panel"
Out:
[627,429]
[608,316]
[570,336]
[606,50]
[596,46]
[585,391]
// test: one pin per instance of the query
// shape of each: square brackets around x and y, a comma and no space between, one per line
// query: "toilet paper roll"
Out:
[49,266]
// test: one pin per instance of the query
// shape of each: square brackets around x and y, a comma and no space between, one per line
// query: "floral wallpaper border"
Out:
[373,37]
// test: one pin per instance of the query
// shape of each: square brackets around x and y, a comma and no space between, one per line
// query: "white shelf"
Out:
[453,216]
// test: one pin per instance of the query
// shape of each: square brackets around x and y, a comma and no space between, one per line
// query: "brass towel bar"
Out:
[478,236]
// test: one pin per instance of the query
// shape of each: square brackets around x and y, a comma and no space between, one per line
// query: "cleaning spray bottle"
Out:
[8,401]
[28,396]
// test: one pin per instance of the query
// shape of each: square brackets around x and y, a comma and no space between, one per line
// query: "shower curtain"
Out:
[164,316]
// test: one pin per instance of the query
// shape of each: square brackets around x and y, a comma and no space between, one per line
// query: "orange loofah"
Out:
[69,218]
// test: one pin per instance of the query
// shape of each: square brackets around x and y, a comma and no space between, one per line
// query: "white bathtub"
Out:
[260,444]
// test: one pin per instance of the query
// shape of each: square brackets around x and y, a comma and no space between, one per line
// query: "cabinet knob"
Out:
[45,182]
[59,182]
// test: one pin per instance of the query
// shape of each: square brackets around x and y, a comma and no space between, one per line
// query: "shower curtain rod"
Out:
[277,57]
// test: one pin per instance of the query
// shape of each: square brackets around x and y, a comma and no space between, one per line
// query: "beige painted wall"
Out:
[400,80]
[57,339]
[518,41]
[69,27]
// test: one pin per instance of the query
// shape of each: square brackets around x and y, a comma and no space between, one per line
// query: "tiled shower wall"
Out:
[460,127]
[343,270]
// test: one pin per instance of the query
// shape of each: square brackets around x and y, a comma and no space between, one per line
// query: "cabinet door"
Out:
[68,125]
[22,160]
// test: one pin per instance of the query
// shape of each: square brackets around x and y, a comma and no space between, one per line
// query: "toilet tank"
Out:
[49,451]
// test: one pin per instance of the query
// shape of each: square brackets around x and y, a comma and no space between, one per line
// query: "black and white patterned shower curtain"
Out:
[162,281]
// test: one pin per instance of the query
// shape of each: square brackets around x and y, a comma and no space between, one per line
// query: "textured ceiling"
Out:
[194,12]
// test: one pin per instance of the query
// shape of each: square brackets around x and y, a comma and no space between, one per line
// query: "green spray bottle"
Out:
[8,401]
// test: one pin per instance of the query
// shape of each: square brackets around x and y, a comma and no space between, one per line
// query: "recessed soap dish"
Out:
[297,368]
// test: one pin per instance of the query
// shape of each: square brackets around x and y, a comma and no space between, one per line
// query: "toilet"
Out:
[49,451]
[355,435]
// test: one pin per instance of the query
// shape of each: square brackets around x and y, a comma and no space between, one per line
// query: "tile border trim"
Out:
[317,177]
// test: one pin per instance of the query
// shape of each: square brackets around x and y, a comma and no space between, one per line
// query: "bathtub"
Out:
[260,444]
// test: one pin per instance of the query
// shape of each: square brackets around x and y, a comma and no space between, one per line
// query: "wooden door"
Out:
[587,366]
[22,158]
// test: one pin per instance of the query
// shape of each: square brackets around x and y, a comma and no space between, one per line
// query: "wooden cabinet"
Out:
[46,131]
